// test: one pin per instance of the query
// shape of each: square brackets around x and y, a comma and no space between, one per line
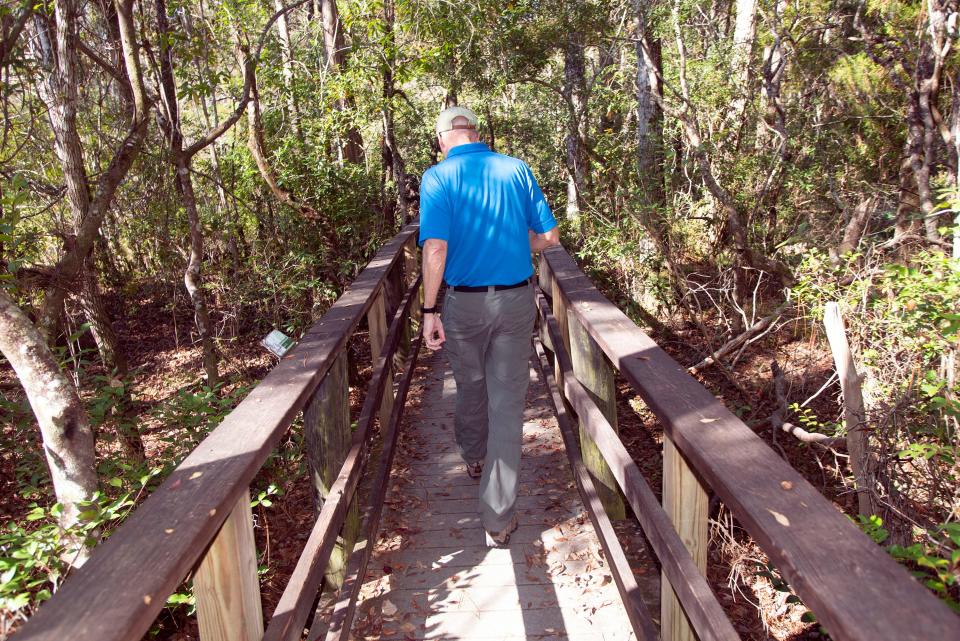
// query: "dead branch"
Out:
[736,342]
[777,421]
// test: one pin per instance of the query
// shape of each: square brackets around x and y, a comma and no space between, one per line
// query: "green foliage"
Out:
[192,414]
[811,423]
[935,561]
[872,526]
[36,553]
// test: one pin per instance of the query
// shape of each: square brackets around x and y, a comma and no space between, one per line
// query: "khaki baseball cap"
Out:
[448,115]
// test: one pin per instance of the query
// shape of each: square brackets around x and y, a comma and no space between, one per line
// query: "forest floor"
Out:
[164,363]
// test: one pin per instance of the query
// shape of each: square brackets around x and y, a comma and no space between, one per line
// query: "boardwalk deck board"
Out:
[433,577]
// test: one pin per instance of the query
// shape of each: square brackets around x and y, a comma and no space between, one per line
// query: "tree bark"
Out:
[921,120]
[774,116]
[649,115]
[351,146]
[192,275]
[67,437]
[854,229]
[574,94]
[101,325]
[744,32]
[286,50]
[57,52]
[392,154]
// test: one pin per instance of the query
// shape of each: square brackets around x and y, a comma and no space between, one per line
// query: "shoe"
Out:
[475,470]
[502,538]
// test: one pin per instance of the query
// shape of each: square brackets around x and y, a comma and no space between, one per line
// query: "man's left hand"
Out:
[433,331]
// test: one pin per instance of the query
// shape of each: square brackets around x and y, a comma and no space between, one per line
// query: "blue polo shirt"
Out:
[482,203]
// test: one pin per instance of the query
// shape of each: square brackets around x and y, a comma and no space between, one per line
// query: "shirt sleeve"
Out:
[434,212]
[539,217]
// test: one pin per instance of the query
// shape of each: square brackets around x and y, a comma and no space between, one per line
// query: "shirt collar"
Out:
[468,148]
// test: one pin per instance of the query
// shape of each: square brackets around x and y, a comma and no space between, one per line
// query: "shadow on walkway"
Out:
[432,576]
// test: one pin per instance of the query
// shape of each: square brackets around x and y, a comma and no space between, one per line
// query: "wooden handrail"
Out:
[856,590]
[699,602]
[118,593]
[292,611]
[640,620]
[341,619]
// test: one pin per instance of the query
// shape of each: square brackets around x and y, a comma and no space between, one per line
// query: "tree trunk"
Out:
[905,223]
[743,35]
[774,117]
[56,51]
[955,138]
[574,90]
[192,275]
[392,151]
[649,115]
[67,438]
[286,50]
[351,147]
[91,301]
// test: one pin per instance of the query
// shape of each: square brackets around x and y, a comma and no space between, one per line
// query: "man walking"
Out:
[481,215]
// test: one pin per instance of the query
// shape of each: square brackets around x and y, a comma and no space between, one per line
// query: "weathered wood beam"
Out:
[226,585]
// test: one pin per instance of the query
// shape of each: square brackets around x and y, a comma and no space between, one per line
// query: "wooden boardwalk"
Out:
[431,575]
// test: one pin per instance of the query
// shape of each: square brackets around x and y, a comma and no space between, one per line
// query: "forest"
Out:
[180,177]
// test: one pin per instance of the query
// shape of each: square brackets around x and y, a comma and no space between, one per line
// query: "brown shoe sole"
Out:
[502,538]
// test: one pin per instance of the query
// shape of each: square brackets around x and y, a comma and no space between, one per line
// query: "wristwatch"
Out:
[429,310]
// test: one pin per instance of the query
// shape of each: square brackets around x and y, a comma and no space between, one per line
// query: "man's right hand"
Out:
[433,331]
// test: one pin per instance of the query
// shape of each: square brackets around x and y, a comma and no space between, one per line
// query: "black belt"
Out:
[484,288]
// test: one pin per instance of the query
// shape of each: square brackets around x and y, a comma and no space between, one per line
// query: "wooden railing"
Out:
[856,590]
[199,520]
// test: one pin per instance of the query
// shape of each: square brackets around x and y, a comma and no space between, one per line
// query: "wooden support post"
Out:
[225,583]
[377,324]
[326,422]
[410,272]
[546,285]
[411,262]
[393,289]
[596,375]
[560,313]
[685,502]
[858,442]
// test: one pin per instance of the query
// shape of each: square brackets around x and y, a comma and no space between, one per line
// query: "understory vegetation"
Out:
[180,177]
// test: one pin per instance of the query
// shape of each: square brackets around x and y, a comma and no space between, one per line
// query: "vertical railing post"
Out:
[560,314]
[685,502]
[596,374]
[411,269]
[545,280]
[225,583]
[377,324]
[326,423]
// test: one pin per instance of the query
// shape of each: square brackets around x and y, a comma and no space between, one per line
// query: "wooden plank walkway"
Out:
[431,575]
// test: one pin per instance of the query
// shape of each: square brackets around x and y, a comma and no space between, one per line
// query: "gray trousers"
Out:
[488,345]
